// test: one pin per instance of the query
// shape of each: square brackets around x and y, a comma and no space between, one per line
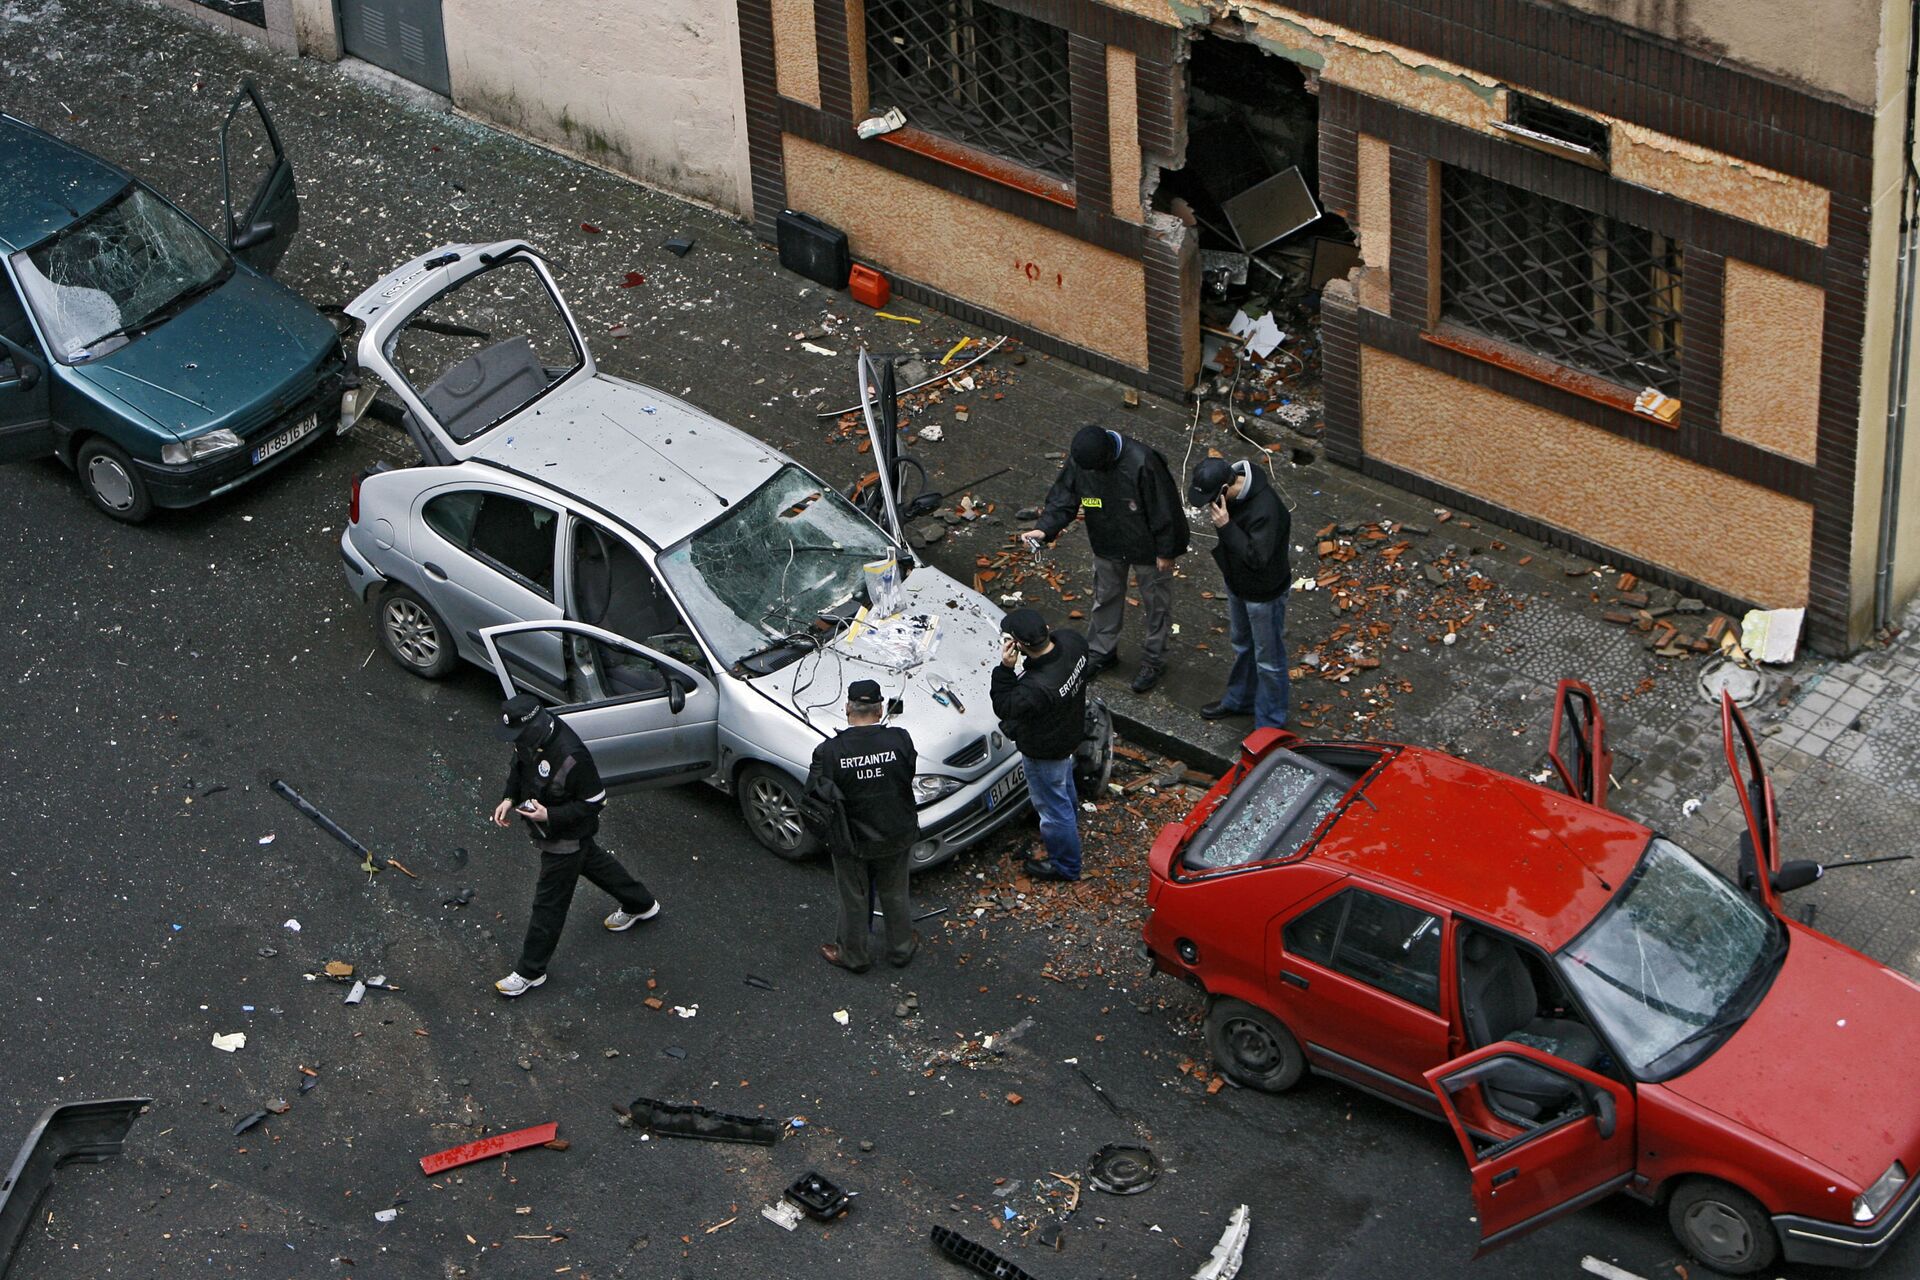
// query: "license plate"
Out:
[1015,779]
[295,432]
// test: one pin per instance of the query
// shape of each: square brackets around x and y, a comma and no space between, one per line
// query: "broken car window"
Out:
[486,348]
[125,267]
[789,550]
[1385,944]
[1269,815]
[1669,956]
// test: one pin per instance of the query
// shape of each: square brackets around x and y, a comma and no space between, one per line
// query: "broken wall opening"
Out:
[1248,191]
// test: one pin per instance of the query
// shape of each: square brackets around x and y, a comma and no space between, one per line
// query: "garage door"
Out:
[404,36]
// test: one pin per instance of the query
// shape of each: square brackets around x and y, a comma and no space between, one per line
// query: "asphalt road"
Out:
[157,679]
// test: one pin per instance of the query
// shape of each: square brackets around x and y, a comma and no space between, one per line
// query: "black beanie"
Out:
[1093,448]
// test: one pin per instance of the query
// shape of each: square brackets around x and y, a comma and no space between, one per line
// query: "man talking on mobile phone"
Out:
[1252,554]
[553,786]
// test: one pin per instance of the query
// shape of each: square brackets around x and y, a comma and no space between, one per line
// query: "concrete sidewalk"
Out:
[1423,626]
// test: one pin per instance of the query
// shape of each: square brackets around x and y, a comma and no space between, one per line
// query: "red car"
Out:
[1592,1008]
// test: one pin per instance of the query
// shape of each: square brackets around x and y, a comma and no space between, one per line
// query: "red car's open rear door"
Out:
[1578,744]
[1760,847]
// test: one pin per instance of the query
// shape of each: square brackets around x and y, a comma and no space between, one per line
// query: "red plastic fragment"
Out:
[633,278]
[498,1145]
[589,228]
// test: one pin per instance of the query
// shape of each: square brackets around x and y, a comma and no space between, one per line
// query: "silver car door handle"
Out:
[434,571]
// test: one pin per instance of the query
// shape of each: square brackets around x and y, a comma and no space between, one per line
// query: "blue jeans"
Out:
[1050,783]
[1258,681]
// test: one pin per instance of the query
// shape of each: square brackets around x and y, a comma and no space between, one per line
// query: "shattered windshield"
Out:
[123,268]
[1669,957]
[790,549]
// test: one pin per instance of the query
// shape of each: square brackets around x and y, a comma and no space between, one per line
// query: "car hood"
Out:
[220,362]
[1825,1064]
[964,658]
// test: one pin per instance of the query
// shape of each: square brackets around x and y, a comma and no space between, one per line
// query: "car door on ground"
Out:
[646,717]
[1356,973]
[488,557]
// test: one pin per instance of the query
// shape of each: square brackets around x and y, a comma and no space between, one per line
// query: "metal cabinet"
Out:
[404,36]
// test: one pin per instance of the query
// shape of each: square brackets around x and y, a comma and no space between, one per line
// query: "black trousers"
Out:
[888,878]
[559,873]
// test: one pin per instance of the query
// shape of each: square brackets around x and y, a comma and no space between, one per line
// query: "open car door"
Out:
[1760,845]
[1542,1136]
[26,426]
[261,225]
[880,406]
[467,336]
[647,718]
[1577,745]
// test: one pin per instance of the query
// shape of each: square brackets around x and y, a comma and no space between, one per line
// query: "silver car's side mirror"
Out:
[676,696]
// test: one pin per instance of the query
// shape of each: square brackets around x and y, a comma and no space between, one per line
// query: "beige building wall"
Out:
[1527,459]
[1031,274]
[651,90]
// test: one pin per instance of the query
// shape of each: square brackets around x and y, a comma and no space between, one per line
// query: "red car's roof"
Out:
[1535,861]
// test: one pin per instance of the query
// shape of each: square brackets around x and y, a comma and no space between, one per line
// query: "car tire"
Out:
[413,634]
[770,805]
[112,482]
[1723,1227]
[1253,1047]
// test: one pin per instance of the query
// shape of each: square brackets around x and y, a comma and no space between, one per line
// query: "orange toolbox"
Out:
[869,286]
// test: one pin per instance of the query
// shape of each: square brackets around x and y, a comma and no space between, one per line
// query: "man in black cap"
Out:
[1134,518]
[863,777]
[554,787]
[1252,555]
[1044,711]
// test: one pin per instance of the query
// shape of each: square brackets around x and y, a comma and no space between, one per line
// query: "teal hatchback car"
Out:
[158,361]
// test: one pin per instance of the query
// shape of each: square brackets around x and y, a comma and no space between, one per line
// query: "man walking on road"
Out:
[862,777]
[1044,711]
[1252,555]
[554,787]
[1134,519]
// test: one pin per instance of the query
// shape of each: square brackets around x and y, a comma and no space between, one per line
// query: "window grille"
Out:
[1575,286]
[975,73]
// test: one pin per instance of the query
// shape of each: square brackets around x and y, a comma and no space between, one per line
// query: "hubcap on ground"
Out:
[413,633]
[110,482]
[1719,1232]
[775,813]
[1253,1046]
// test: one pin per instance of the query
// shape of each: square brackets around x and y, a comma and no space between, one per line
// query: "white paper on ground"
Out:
[1265,336]
[1772,635]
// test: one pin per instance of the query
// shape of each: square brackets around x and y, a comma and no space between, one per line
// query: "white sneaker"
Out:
[621,921]
[515,985]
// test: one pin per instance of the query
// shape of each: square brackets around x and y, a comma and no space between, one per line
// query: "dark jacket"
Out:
[1133,507]
[1252,551]
[1044,709]
[560,774]
[871,767]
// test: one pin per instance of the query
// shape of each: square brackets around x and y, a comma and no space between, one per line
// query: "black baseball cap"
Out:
[522,716]
[1210,476]
[1093,448]
[864,691]
[1026,626]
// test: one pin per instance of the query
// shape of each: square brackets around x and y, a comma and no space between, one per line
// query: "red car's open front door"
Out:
[1760,846]
[1542,1136]
[1577,746]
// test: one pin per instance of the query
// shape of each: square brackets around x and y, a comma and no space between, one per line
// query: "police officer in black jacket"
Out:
[863,776]
[1044,710]
[554,787]
[1252,555]
[1134,518]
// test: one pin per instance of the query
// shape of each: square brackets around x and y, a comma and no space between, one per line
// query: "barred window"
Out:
[977,74]
[1575,286]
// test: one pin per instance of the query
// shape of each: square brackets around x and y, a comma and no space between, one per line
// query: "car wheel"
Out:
[113,482]
[1722,1226]
[770,803]
[1253,1047]
[413,635]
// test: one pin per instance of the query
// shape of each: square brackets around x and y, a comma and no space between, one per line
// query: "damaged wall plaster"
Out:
[1036,276]
[1770,360]
[659,96]
[1527,459]
[1123,133]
